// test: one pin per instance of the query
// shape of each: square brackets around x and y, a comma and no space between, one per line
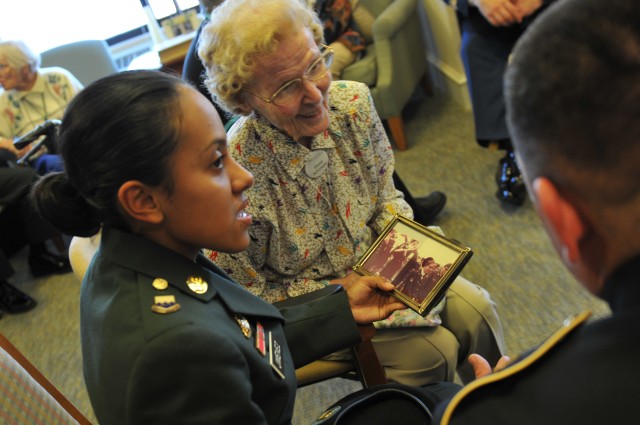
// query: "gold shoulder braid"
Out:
[569,326]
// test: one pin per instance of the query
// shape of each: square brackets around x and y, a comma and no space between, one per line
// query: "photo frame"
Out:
[420,262]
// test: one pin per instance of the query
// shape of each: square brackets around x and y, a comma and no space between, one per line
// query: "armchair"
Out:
[395,61]
[87,60]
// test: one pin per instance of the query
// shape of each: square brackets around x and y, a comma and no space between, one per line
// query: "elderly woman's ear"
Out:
[244,106]
[26,71]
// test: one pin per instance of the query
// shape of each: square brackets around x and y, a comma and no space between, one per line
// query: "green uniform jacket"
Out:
[193,365]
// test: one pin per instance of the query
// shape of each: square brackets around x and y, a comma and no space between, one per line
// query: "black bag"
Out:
[392,404]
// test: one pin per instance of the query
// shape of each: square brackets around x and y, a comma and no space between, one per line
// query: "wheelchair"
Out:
[46,135]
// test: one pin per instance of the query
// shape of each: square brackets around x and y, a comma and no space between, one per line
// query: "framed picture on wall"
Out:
[420,262]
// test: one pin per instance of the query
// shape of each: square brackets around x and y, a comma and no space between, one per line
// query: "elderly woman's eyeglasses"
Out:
[290,91]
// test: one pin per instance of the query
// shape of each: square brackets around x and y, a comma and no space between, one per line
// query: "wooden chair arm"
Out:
[368,367]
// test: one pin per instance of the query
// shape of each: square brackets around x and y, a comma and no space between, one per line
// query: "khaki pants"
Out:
[422,355]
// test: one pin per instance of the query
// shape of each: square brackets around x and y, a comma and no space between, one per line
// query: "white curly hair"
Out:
[237,31]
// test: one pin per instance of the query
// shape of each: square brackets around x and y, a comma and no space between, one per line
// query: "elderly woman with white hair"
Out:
[31,96]
[323,188]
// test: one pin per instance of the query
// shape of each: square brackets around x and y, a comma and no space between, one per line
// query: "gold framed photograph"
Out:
[420,262]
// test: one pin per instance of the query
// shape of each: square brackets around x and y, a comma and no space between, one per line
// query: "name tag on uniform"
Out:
[275,356]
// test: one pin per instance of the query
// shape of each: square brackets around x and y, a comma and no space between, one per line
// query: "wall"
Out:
[442,35]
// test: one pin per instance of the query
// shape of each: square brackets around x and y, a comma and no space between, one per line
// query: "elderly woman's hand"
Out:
[370,299]
[8,145]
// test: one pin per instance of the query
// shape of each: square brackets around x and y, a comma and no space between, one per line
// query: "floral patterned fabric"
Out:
[308,230]
[336,15]
[21,111]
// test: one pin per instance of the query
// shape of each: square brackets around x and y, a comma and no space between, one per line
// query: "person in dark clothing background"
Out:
[490,29]
[20,225]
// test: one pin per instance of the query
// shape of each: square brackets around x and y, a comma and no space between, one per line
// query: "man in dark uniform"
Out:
[572,91]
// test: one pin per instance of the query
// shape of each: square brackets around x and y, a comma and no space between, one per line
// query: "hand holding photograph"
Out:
[420,262]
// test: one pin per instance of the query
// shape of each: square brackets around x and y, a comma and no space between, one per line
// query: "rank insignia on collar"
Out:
[160,284]
[197,284]
[244,325]
[164,304]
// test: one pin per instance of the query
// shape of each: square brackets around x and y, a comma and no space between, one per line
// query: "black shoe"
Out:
[46,263]
[511,187]
[429,207]
[12,300]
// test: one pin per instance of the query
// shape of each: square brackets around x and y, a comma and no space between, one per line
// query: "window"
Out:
[44,24]
[163,8]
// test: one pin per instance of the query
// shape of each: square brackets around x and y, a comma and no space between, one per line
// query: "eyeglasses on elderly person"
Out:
[291,91]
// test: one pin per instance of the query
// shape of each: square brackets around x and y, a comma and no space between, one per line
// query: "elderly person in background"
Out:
[31,96]
[21,225]
[340,32]
[490,29]
[323,181]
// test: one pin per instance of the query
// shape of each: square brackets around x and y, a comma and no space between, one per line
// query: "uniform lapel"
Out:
[147,257]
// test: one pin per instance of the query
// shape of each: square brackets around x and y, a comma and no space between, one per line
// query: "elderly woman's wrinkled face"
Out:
[10,77]
[307,113]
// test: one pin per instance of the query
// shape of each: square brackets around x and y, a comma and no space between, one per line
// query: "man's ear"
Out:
[139,202]
[561,217]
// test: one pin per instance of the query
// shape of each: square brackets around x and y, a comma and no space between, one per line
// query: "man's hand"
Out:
[370,299]
[499,13]
[481,366]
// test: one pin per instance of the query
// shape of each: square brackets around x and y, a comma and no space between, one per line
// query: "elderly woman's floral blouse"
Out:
[312,224]
[21,111]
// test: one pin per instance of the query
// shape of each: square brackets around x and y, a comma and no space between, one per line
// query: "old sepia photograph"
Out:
[420,262]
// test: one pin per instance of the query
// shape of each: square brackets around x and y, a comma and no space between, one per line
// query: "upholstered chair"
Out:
[395,61]
[27,397]
[87,60]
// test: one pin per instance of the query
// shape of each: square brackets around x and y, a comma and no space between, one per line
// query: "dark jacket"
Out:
[194,365]
[585,374]
[485,51]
